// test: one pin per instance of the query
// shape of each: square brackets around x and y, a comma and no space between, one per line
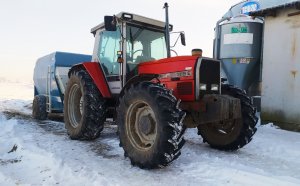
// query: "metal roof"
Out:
[272,10]
[135,19]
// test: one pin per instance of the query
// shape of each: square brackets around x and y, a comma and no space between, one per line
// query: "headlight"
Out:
[202,86]
[214,87]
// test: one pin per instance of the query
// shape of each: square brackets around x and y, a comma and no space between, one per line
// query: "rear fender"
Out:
[96,73]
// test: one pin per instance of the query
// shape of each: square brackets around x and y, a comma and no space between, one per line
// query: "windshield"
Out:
[144,45]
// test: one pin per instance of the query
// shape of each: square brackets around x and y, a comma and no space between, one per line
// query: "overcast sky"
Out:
[33,28]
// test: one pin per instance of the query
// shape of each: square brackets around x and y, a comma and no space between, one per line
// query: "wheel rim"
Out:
[141,125]
[224,128]
[223,133]
[75,105]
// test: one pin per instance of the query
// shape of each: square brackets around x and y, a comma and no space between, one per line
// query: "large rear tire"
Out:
[234,134]
[150,125]
[84,107]
[39,108]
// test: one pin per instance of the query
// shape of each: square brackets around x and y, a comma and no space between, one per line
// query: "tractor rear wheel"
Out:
[39,111]
[84,107]
[150,125]
[234,134]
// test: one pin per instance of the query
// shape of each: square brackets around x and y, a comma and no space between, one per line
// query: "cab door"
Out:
[107,54]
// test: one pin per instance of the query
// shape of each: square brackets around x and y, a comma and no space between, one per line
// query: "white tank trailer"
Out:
[238,44]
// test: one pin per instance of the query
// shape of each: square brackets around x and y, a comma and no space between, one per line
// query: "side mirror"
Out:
[110,23]
[182,38]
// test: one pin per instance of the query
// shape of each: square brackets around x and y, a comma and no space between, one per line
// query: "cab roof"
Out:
[135,19]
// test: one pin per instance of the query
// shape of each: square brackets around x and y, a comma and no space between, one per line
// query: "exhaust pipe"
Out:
[167,30]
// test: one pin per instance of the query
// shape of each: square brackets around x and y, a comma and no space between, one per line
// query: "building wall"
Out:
[281,68]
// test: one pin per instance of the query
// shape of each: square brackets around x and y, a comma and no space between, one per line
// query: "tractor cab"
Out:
[125,40]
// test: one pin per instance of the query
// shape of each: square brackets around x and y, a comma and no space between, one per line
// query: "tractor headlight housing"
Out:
[127,16]
[214,87]
[202,86]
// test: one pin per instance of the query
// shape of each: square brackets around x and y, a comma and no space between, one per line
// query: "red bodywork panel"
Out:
[96,73]
[170,65]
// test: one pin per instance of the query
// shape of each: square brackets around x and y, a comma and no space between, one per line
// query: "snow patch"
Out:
[46,156]
[31,164]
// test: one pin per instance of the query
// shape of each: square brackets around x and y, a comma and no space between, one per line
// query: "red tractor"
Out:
[134,80]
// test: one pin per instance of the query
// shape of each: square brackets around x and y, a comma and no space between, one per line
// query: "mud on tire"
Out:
[237,133]
[84,107]
[39,107]
[150,125]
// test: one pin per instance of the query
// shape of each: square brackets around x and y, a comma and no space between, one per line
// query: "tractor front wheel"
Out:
[150,125]
[84,107]
[232,134]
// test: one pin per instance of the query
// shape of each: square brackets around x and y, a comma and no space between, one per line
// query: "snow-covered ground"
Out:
[46,156]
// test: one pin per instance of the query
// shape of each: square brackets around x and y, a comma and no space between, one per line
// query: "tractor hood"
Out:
[168,65]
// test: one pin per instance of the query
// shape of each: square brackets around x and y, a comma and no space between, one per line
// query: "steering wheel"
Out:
[139,50]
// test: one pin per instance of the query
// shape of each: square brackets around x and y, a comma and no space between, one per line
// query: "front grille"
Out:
[209,74]
[185,88]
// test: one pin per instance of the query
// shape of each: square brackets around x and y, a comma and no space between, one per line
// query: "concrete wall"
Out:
[281,68]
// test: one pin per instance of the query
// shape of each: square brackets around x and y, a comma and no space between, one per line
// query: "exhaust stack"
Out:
[167,30]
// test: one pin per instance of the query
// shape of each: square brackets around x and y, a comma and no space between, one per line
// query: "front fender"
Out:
[138,78]
[95,71]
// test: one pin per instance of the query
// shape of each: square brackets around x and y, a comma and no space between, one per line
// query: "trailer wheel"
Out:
[39,111]
[232,135]
[84,107]
[150,125]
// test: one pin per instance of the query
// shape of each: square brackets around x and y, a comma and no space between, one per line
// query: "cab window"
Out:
[107,53]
